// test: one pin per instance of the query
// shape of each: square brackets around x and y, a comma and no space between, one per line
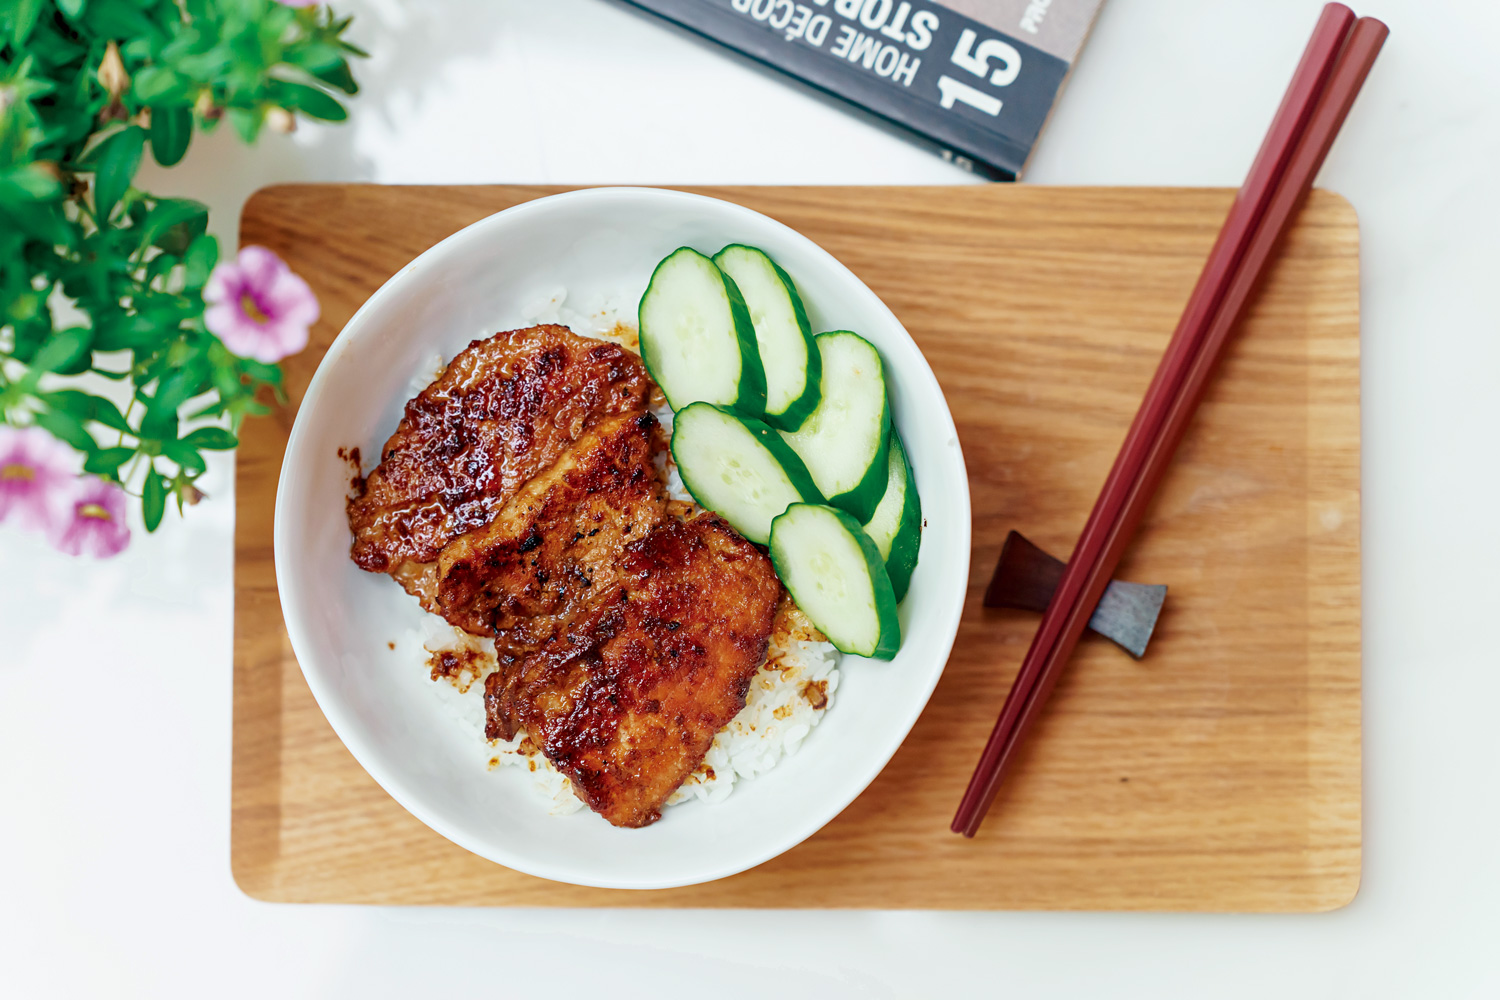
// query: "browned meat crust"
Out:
[627,700]
[546,555]
[504,410]
[519,498]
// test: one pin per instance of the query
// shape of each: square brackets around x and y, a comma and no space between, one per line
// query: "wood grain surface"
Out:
[1220,773]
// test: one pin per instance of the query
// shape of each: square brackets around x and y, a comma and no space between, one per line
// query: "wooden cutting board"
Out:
[1222,772]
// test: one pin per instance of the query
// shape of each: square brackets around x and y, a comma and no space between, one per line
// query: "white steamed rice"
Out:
[788,696]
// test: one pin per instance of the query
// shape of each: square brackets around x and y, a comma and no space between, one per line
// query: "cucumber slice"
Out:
[836,576]
[845,441]
[896,527]
[739,468]
[782,333]
[696,336]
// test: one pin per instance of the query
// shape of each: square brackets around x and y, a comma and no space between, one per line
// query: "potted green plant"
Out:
[128,347]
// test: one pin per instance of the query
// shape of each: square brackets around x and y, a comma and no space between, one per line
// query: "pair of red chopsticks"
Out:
[1334,67]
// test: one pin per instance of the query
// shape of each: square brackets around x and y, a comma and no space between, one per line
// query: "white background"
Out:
[115,676]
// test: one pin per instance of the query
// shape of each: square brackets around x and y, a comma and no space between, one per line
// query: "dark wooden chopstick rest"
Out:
[1026,576]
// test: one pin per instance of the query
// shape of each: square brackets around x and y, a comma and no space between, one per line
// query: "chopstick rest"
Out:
[1026,576]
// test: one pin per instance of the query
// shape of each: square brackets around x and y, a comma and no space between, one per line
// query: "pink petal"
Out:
[240,333]
[224,283]
[289,337]
[290,298]
[40,500]
[99,537]
[261,268]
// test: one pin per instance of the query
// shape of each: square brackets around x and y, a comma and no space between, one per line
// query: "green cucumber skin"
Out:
[795,414]
[908,540]
[791,463]
[780,451]
[751,398]
[862,500]
[889,643]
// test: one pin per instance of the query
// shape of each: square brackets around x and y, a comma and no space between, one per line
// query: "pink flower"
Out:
[98,525]
[36,477]
[258,307]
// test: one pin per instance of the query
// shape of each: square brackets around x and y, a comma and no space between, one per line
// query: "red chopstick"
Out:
[1270,163]
[1315,105]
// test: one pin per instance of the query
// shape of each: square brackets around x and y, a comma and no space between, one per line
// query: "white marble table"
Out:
[115,677]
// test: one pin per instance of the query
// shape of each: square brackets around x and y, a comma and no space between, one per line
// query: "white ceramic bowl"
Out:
[478,281]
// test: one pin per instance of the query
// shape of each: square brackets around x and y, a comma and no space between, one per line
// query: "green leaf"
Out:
[154,499]
[160,426]
[66,427]
[161,264]
[28,184]
[28,339]
[310,101]
[108,414]
[85,406]
[176,388]
[178,238]
[339,76]
[130,333]
[72,9]
[246,122]
[119,157]
[62,349]
[156,83]
[114,19]
[185,455]
[44,220]
[324,62]
[107,461]
[171,131]
[170,213]
[314,57]
[211,439]
[213,409]
[23,19]
[201,256]
[260,370]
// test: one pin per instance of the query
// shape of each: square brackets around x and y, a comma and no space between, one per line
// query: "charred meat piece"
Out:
[556,545]
[503,411]
[627,699]
[519,498]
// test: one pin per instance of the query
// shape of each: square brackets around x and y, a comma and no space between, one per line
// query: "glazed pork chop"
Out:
[556,544]
[626,701]
[520,498]
[503,411]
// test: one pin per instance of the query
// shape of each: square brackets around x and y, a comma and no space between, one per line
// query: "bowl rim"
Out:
[329,701]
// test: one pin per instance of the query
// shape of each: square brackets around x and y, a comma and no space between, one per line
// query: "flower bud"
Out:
[112,76]
[205,106]
[281,120]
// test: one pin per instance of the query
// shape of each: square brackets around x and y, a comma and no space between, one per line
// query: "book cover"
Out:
[976,79]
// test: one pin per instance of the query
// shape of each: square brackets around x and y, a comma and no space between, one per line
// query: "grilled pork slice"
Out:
[555,547]
[626,700]
[503,411]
